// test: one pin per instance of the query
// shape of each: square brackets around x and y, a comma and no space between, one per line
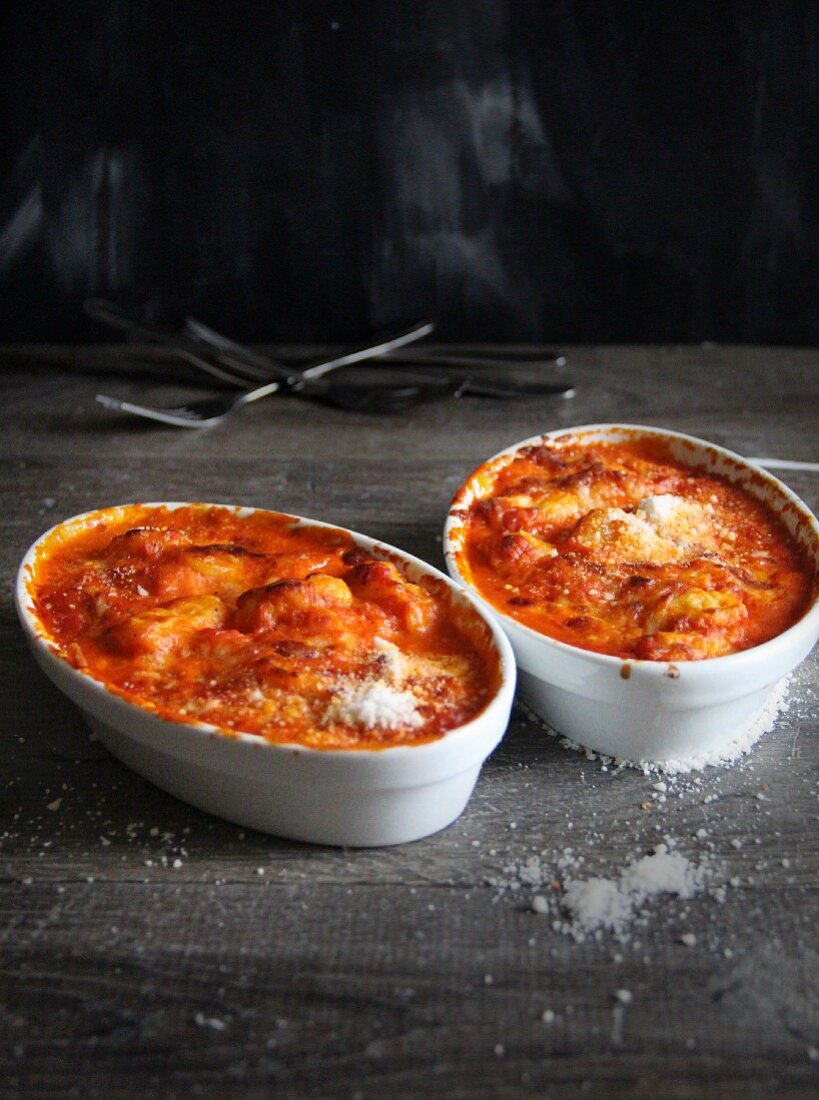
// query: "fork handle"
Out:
[107,314]
[370,351]
[233,352]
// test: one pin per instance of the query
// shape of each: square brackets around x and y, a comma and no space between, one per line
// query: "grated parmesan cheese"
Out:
[375,703]
[681,521]
[660,509]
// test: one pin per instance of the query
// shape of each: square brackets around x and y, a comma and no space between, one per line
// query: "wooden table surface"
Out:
[152,950]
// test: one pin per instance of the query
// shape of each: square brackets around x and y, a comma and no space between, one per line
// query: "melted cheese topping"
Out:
[256,624]
[620,549]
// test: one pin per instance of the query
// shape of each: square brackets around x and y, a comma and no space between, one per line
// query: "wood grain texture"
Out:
[422,969]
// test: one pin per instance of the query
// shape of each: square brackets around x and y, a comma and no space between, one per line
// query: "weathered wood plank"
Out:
[405,989]
[397,971]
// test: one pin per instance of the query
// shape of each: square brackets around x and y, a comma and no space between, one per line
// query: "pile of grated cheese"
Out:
[596,904]
[373,703]
[384,701]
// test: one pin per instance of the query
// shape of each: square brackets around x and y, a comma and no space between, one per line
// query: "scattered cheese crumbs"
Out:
[688,938]
[600,903]
[55,805]
[143,592]
[540,904]
[201,1020]
[624,996]
[374,703]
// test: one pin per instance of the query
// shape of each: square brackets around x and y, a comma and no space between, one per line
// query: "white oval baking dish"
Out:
[355,797]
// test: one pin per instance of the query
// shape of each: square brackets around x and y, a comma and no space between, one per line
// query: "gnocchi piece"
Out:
[292,602]
[520,551]
[381,583]
[159,632]
[614,536]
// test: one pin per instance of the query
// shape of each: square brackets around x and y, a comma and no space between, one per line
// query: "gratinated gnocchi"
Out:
[620,548]
[258,623]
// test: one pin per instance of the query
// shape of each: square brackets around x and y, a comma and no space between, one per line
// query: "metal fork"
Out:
[184,348]
[256,365]
[308,383]
[404,361]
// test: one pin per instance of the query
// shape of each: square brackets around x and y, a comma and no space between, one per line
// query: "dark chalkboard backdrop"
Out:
[297,169]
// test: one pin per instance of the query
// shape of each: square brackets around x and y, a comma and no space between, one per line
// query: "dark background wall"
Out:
[567,170]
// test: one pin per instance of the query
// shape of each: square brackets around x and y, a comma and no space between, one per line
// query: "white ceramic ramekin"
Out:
[354,797]
[651,711]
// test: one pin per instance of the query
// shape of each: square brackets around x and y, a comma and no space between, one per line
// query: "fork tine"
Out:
[178,417]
